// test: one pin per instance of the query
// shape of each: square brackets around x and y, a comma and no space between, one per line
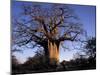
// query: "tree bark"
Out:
[44,43]
[53,47]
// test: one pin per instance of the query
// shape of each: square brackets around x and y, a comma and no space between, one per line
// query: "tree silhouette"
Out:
[46,27]
[87,60]
[91,47]
[91,51]
[14,60]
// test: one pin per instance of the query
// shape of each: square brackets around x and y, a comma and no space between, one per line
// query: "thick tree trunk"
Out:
[53,47]
[46,55]
[46,51]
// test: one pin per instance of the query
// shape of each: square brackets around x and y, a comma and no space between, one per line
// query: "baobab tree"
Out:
[46,26]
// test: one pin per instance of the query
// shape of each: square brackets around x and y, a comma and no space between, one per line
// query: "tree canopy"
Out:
[38,23]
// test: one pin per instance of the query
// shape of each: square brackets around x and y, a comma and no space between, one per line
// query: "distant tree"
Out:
[91,51]
[37,62]
[88,59]
[15,64]
[46,27]
[14,60]
[91,47]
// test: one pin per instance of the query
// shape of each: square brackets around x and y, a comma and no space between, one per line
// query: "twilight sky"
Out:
[87,15]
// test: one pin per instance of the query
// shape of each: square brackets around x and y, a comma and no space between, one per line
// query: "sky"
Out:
[87,15]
